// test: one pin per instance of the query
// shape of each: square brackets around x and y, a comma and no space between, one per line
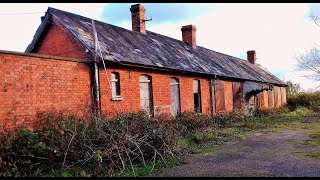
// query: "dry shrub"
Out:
[100,147]
[190,122]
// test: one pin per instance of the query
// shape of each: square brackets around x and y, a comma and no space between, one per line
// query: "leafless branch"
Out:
[65,154]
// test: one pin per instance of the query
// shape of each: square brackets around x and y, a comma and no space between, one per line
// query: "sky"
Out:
[277,32]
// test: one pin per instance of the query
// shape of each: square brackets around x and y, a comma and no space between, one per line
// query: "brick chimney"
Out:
[251,56]
[138,18]
[189,34]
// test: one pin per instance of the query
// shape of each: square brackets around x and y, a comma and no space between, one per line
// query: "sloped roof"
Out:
[152,49]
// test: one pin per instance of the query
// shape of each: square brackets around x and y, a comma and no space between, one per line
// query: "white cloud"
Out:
[17,31]
[278,32]
[300,78]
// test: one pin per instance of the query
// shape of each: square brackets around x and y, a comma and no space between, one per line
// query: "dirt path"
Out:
[273,154]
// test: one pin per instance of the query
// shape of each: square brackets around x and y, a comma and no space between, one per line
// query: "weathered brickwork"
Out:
[57,42]
[130,91]
[32,84]
[263,100]
[271,98]
[277,96]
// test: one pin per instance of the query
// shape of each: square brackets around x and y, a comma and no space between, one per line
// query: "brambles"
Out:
[63,145]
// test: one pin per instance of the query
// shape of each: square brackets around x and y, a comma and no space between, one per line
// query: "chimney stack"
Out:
[251,56]
[189,35]
[138,18]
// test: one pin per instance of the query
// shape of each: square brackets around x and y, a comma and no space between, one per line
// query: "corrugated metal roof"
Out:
[153,49]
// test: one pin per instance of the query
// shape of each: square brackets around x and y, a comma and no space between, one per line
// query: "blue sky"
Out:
[278,32]
[118,13]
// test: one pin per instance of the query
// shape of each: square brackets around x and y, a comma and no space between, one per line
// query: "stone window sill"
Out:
[117,98]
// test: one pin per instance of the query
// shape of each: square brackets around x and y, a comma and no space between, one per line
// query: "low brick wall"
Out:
[31,83]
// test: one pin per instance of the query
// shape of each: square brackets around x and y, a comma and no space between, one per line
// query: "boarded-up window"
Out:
[197,96]
[175,96]
[115,84]
[237,95]
[146,101]
[219,95]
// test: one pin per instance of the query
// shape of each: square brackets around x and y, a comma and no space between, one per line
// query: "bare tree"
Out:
[310,61]
[293,88]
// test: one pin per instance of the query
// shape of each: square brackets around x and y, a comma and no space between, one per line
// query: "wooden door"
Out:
[175,96]
[146,102]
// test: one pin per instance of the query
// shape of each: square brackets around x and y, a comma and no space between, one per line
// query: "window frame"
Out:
[199,110]
[115,86]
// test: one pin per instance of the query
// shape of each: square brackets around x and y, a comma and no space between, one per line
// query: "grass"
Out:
[203,142]
[306,154]
[150,168]
[206,149]
[240,130]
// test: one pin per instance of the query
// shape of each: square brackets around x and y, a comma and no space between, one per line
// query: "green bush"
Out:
[307,100]
[225,120]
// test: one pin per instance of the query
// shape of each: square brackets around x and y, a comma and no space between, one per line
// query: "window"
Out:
[175,96]
[146,101]
[115,86]
[197,96]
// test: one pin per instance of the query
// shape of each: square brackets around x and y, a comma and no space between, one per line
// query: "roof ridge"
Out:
[150,35]
[180,41]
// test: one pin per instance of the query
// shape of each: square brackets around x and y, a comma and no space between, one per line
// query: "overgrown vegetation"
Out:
[308,100]
[132,144]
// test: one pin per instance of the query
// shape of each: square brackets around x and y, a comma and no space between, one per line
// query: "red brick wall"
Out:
[277,96]
[31,84]
[130,91]
[283,96]
[57,42]
[271,98]
[228,94]
[213,95]
[263,100]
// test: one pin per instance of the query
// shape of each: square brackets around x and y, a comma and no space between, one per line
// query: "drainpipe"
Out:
[96,73]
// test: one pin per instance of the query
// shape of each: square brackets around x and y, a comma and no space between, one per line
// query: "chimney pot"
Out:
[138,18]
[251,56]
[189,34]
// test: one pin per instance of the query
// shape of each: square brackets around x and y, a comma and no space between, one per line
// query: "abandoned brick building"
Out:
[65,68]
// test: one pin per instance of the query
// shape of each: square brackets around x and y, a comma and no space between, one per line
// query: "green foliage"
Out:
[190,122]
[131,144]
[308,100]
[203,149]
[225,120]
[101,147]
[149,168]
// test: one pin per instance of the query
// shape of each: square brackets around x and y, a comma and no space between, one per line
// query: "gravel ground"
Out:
[273,154]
